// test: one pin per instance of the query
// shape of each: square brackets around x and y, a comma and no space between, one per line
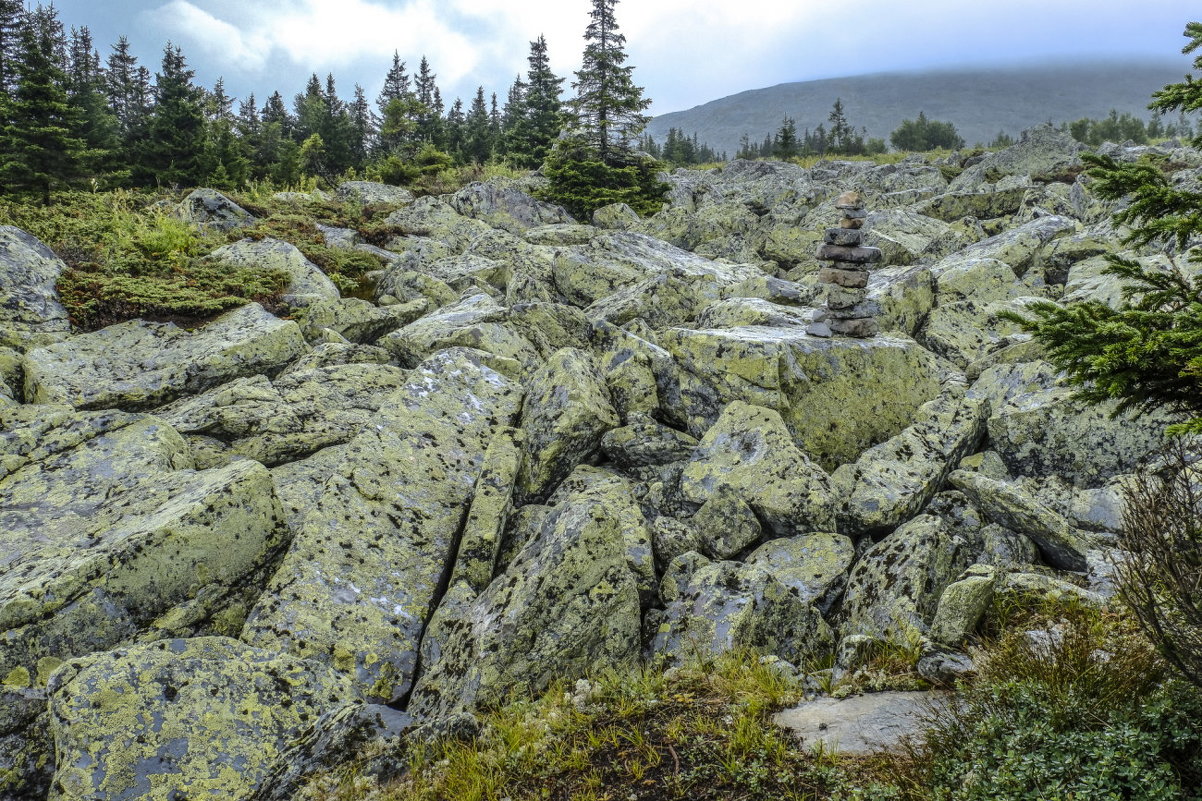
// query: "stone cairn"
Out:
[848,312]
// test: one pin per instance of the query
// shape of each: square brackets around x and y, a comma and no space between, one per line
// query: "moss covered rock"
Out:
[30,308]
[724,606]
[196,718]
[749,452]
[111,536]
[137,365]
[363,573]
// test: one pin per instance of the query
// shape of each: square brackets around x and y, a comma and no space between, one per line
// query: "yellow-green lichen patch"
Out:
[109,535]
[203,717]
[363,572]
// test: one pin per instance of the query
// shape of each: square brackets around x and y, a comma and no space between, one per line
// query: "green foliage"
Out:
[126,258]
[921,135]
[1147,354]
[1085,711]
[702,733]
[539,118]
[582,181]
[608,106]
[41,149]
[173,152]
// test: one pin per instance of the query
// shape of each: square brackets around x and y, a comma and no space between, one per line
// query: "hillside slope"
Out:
[979,101]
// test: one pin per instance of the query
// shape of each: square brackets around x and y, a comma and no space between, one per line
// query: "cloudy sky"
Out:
[685,52]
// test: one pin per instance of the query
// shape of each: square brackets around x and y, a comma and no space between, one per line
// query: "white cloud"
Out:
[219,39]
[685,51]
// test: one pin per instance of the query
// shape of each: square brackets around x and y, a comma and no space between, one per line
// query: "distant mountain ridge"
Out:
[979,101]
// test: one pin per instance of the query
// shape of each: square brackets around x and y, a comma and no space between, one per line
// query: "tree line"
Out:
[70,118]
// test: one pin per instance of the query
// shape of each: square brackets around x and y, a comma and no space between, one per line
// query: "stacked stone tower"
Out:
[848,312]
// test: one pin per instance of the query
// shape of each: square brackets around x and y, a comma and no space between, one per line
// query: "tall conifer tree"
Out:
[608,105]
[174,152]
[40,148]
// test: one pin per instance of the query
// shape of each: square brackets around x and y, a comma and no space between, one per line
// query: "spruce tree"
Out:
[608,106]
[12,14]
[174,152]
[785,142]
[40,148]
[596,165]
[364,126]
[429,113]
[537,127]
[477,133]
[97,126]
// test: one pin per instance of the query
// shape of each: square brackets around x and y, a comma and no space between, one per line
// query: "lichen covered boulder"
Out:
[724,606]
[363,573]
[813,565]
[477,322]
[1007,505]
[208,208]
[507,207]
[298,414]
[567,411]
[892,482]
[894,589]
[749,451]
[30,307]
[836,396]
[139,365]
[568,604]
[306,281]
[368,193]
[195,718]
[108,535]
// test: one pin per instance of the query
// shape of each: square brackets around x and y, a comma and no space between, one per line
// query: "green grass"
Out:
[701,733]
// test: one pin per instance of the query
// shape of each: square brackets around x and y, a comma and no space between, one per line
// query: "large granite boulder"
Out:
[1039,429]
[138,365]
[1044,153]
[208,208]
[566,413]
[1007,505]
[893,481]
[364,571]
[814,566]
[477,322]
[30,308]
[567,605]
[297,415]
[724,606]
[894,589]
[108,535]
[749,451]
[836,396]
[507,207]
[434,219]
[306,281]
[367,193]
[192,718]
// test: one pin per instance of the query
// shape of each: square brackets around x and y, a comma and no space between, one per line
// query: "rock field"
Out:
[546,448]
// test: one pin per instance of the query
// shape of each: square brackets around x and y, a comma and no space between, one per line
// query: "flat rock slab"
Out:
[862,724]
